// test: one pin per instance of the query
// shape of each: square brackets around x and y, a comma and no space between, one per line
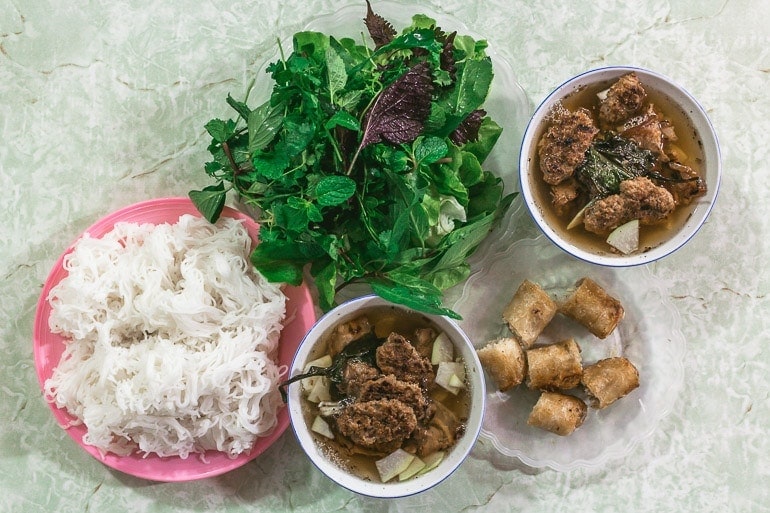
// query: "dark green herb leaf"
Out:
[428,150]
[241,108]
[220,130]
[472,86]
[406,296]
[343,119]
[263,123]
[363,349]
[334,190]
[609,162]
[270,165]
[463,241]
[488,134]
[325,279]
[336,73]
[349,162]
[210,201]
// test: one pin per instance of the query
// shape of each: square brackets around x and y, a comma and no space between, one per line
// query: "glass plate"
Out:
[507,104]
[49,346]
[649,335]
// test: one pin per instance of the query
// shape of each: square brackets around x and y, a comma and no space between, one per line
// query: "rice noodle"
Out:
[170,335]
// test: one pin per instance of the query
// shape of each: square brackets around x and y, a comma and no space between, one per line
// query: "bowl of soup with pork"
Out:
[386,401]
[620,166]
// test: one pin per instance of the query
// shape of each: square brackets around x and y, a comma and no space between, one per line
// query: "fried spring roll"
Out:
[554,367]
[558,413]
[590,305]
[505,361]
[608,380]
[529,312]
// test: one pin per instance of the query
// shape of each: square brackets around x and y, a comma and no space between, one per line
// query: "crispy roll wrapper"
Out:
[505,361]
[558,413]
[608,380]
[555,366]
[590,305]
[529,312]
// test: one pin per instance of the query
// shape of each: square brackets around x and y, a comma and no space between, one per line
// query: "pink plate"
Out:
[48,348]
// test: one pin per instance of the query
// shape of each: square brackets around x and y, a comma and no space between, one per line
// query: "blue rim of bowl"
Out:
[474,435]
[641,258]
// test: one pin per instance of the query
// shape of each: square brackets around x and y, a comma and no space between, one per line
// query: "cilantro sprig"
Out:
[366,162]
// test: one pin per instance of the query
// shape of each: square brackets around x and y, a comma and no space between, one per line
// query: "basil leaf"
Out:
[264,123]
[343,119]
[395,293]
[210,201]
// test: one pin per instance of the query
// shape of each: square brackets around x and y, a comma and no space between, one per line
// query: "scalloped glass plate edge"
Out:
[655,339]
[507,102]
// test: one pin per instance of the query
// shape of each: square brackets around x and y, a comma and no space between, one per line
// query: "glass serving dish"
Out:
[507,103]
[649,336]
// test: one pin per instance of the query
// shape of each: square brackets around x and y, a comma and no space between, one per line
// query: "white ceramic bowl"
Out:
[393,488]
[696,118]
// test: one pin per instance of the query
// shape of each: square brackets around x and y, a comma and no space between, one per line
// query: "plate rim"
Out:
[177,206]
[672,346]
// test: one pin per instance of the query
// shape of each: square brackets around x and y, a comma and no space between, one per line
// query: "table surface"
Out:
[102,105]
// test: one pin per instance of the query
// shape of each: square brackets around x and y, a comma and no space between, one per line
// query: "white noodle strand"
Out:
[171,336]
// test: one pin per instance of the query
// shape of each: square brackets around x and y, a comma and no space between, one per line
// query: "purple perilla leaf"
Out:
[468,129]
[380,29]
[398,114]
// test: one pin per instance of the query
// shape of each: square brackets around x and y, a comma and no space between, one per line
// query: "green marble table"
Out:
[102,104]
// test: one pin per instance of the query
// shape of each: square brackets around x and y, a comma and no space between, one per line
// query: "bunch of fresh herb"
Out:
[366,162]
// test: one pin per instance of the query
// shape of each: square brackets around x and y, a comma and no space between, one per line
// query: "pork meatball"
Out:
[397,356]
[562,148]
[639,198]
[624,98]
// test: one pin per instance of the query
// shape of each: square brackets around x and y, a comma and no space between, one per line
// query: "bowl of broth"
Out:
[620,166]
[385,401]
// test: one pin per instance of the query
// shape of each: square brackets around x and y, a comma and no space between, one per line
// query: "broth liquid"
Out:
[650,236]
[385,320]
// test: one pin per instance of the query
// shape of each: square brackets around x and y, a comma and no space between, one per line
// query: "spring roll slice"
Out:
[590,305]
[558,413]
[529,312]
[505,361]
[555,366]
[608,380]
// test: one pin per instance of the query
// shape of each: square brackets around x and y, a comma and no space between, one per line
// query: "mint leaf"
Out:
[334,190]
[336,73]
[270,165]
[220,130]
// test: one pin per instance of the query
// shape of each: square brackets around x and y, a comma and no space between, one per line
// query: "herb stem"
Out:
[229,154]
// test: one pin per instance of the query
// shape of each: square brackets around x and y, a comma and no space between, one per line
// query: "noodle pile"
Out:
[170,338]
